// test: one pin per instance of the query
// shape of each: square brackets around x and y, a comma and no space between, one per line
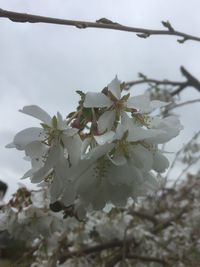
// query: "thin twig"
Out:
[92,249]
[186,169]
[152,81]
[102,23]
[144,215]
[147,259]
[191,81]
[183,104]
[179,152]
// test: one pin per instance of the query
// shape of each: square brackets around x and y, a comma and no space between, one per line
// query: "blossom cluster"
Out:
[159,231]
[105,152]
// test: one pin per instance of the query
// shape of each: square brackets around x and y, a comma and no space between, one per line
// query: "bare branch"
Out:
[179,152]
[93,249]
[147,259]
[153,81]
[183,104]
[102,23]
[144,215]
[190,81]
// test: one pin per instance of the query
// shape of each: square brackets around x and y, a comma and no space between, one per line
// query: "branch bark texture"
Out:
[102,23]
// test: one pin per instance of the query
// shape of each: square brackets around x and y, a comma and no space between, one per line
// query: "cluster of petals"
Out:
[117,161]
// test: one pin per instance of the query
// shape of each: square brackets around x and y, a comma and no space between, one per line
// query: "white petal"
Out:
[154,104]
[90,158]
[141,157]
[119,132]
[104,138]
[61,122]
[118,159]
[69,195]
[140,102]
[38,113]
[55,152]
[59,179]
[160,163]
[106,120]
[96,100]
[73,145]
[136,133]
[114,88]
[90,190]
[151,184]
[27,136]
[10,145]
[36,149]
[37,152]
[169,128]
[85,144]
[99,151]
[80,211]
[70,131]
[27,174]
[119,175]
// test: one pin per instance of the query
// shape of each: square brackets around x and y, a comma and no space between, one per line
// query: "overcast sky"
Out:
[44,64]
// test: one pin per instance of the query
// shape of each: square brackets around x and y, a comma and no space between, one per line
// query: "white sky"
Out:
[44,64]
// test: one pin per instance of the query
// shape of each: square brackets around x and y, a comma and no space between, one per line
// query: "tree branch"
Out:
[183,104]
[144,215]
[102,23]
[92,249]
[147,259]
[190,81]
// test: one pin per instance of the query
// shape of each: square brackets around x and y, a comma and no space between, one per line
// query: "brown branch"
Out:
[115,259]
[152,81]
[118,257]
[90,250]
[178,154]
[166,223]
[144,215]
[183,104]
[102,23]
[147,259]
[190,81]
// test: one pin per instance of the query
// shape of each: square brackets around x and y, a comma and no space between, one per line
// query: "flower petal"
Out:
[104,138]
[27,174]
[61,123]
[141,157]
[73,145]
[59,179]
[136,133]
[69,194]
[36,152]
[10,145]
[118,159]
[38,113]
[160,163]
[154,104]
[141,102]
[96,100]
[119,131]
[169,128]
[54,155]
[27,136]
[114,88]
[106,120]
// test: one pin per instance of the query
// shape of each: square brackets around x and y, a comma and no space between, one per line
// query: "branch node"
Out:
[168,25]
[143,35]
[106,21]
[141,75]
[81,25]
[181,41]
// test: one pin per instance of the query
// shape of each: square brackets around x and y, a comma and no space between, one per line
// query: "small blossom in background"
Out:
[105,152]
